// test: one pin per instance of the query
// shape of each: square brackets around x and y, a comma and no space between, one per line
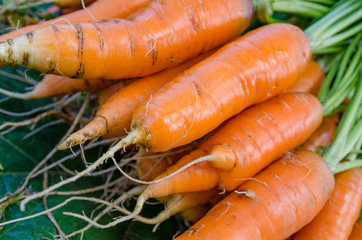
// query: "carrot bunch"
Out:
[244,92]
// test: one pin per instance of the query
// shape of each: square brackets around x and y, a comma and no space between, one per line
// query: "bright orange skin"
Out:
[255,137]
[115,115]
[336,219]
[101,9]
[310,81]
[288,194]
[257,66]
[357,231]
[324,134]
[109,91]
[53,85]
[160,35]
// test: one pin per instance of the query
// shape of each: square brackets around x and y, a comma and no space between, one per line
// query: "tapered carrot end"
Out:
[96,128]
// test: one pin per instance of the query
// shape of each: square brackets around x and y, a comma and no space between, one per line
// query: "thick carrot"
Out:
[156,37]
[310,81]
[101,9]
[53,85]
[324,134]
[273,205]
[336,219]
[357,231]
[115,115]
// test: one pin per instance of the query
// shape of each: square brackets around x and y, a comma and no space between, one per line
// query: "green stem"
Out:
[324,91]
[347,165]
[301,8]
[340,10]
[345,139]
[320,44]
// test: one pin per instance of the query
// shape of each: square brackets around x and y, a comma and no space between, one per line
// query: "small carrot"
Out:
[193,215]
[115,115]
[52,85]
[324,134]
[88,49]
[272,205]
[342,210]
[357,231]
[310,81]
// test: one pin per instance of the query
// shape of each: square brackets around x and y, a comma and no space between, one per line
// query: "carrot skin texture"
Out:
[288,194]
[335,221]
[101,9]
[257,66]
[108,92]
[147,37]
[310,81]
[324,134]
[257,136]
[115,115]
[357,231]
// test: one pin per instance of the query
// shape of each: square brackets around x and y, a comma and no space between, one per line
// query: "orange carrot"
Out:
[101,9]
[310,81]
[109,91]
[193,215]
[250,70]
[324,134]
[240,148]
[357,231]
[115,115]
[336,219]
[53,85]
[115,49]
[273,205]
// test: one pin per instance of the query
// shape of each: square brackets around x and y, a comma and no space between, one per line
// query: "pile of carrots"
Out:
[262,141]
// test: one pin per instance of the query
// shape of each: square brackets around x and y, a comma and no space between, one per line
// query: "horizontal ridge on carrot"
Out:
[88,50]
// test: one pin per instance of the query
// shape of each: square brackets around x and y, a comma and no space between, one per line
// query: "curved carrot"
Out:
[310,81]
[193,215]
[101,9]
[244,72]
[324,134]
[357,231]
[53,85]
[115,115]
[273,205]
[336,219]
[159,35]
[106,93]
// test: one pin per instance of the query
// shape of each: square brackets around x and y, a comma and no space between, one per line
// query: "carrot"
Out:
[88,49]
[341,210]
[252,71]
[273,205]
[106,93]
[324,134]
[101,9]
[357,231]
[192,215]
[53,85]
[310,81]
[115,115]
[241,148]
